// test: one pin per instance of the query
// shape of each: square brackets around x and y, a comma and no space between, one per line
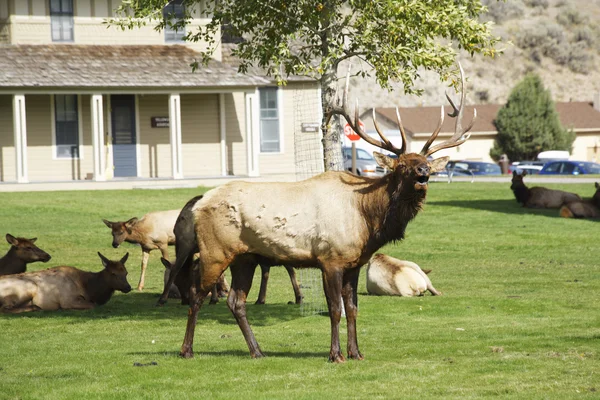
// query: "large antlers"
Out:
[341,109]
[459,137]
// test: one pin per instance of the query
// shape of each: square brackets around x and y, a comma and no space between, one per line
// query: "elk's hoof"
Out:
[186,354]
[260,302]
[337,358]
[257,355]
[357,356]
[161,302]
[213,302]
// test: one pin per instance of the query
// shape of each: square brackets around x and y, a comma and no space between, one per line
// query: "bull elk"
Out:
[537,196]
[583,209]
[334,221]
[22,252]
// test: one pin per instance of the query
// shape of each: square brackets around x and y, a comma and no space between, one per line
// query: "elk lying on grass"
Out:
[388,276]
[63,288]
[186,248]
[334,221]
[22,252]
[539,197]
[583,209]
[153,231]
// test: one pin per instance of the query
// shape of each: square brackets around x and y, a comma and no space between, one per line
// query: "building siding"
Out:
[7,140]
[155,143]
[235,126]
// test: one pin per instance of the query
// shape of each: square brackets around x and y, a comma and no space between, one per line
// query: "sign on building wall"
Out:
[159,122]
[310,127]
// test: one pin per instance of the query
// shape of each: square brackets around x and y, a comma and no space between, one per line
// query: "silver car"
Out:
[365,163]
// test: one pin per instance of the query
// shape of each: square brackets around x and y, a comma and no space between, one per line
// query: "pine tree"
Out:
[528,123]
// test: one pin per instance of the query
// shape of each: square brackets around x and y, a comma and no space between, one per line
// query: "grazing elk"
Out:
[153,231]
[185,249]
[539,197]
[583,209]
[388,276]
[183,283]
[334,221]
[22,252]
[66,288]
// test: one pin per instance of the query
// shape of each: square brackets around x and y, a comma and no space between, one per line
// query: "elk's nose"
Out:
[423,170]
[115,245]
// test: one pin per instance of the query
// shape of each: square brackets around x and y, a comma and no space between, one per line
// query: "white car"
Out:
[365,163]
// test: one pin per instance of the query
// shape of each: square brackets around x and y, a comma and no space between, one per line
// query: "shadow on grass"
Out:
[504,206]
[199,353]
[141,306]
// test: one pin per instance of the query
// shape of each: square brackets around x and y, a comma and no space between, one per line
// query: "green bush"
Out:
[537,3]
[570,17]
[501,11]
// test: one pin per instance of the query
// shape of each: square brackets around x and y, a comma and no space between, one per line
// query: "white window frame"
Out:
[173,32]
[279,94]
[52,22]
[53,130]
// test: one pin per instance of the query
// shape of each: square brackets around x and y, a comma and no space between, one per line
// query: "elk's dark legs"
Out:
[332,284]
[297,293]
[264,279]
[242,272]
[351,304]
[198,291]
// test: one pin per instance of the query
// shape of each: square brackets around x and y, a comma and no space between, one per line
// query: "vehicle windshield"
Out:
[360,154]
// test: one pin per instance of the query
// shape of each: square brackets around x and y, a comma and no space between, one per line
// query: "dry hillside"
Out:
[558,39]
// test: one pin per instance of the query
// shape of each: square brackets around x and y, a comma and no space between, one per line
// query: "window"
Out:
[269,121]
[61,20]
[66,126]
[173,13]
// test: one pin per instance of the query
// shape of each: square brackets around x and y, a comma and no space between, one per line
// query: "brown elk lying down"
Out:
[22,252]
[539,197]
[583,209]
[388,276]
[153,231]
[334,221]
[186,249]
[66,288]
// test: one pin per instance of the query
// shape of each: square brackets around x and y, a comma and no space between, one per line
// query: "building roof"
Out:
[110,66]
[419,120]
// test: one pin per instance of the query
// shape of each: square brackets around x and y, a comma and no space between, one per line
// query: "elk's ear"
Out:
[385,161]
[438,164]
[597,185]
[32,240]
[166,263]
[524,173]
[124,259]
[104,260]
[107,223]
[427,271]
[515,173]
[129,224]
[11,239]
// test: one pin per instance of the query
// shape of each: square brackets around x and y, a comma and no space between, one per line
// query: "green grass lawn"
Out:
[519,318]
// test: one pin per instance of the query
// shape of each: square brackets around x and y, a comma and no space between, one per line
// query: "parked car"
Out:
[531,167]
[474,167]
[365,163]
[570,168]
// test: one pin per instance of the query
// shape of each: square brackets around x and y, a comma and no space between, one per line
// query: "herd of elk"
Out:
[65,288]
[334,221]
[584,208]
[539,197]
[22,252]
[388,276]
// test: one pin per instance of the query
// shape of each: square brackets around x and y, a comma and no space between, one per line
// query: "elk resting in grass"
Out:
[583,209]
[334,221]
[22,252]
[388,276]
[66,288]
[537,196]
[153,231]
[186,248]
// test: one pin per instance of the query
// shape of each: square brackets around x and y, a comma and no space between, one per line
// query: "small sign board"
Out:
[159,122]
[310,127]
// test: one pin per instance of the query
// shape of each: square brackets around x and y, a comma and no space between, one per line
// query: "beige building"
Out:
[419,122]
[82,101]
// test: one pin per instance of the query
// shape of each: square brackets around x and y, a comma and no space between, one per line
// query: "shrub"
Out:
[585,36]
[570,17]
[579,59]
[537,3]
[501,11]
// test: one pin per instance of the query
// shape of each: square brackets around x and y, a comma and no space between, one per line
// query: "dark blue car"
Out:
[570,168]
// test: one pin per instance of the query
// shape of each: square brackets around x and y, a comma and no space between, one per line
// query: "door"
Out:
[123,135]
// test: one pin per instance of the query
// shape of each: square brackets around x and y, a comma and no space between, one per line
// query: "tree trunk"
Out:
[332,139]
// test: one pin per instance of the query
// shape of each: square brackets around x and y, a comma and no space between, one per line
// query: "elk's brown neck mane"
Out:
[96,287]
[388,205]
